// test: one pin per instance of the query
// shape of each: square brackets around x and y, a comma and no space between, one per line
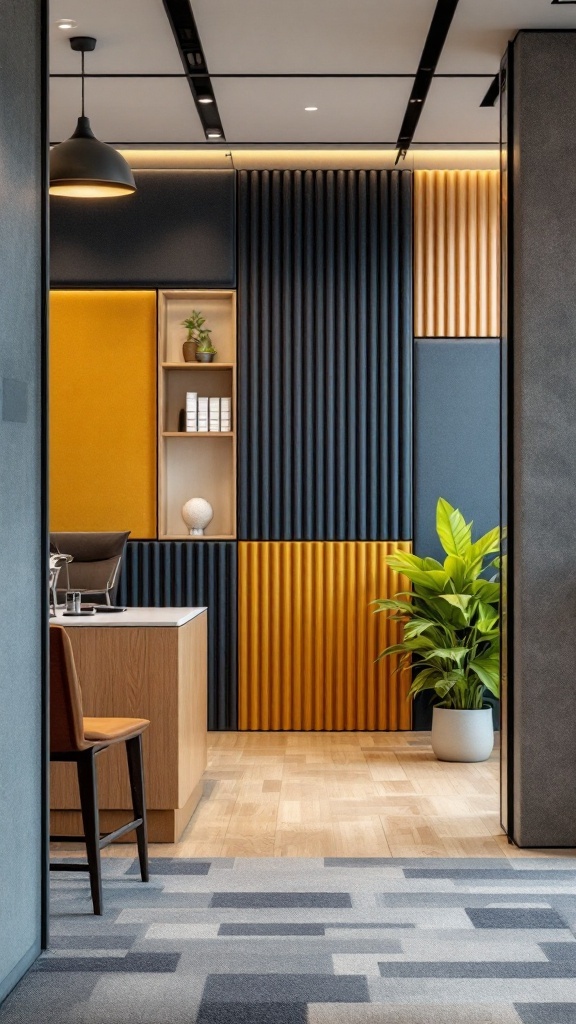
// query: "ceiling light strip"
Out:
[437,34]
[183,24]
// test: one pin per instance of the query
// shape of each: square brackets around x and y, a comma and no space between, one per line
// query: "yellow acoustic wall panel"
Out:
[308,638]
[103,411]
[456,254]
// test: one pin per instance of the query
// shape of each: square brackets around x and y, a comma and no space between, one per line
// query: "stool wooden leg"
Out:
[136,772]
[88,784]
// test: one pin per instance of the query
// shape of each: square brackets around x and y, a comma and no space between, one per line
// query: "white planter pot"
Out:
[462,735]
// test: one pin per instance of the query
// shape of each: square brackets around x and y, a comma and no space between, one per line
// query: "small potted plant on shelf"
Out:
[198,345]
[450,623]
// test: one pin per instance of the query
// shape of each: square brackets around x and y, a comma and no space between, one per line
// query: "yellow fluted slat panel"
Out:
[308,637]
[457,254]
[103,411]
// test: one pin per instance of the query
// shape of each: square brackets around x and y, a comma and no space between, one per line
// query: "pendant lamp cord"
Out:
[82,83]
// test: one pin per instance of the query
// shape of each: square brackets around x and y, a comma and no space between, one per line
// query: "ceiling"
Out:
[244,39]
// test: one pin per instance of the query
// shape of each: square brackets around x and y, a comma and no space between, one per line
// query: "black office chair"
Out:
[95,567]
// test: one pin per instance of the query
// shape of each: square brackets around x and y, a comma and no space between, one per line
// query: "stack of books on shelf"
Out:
[207,414]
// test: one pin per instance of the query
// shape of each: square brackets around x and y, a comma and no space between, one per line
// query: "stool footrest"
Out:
[63,866]
[129,827]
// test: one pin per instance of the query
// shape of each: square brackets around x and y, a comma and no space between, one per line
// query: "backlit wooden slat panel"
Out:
[456,254]
[308,637]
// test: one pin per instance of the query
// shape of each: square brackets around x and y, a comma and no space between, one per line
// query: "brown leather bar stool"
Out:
[79,739]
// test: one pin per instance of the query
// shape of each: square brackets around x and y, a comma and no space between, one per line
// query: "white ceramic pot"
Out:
[462,735]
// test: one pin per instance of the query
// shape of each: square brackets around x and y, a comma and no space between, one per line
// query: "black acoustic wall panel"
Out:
[325,355]
[158,574]
[177,230]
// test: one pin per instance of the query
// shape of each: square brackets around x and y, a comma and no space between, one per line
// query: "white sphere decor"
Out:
[197,514]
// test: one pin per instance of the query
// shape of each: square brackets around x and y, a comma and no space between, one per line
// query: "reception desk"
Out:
[141,663]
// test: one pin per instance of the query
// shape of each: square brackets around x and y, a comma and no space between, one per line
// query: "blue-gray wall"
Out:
[456,434]
[456,444]
[20,487]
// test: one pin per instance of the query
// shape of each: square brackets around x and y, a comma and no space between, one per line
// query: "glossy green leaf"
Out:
[454,532]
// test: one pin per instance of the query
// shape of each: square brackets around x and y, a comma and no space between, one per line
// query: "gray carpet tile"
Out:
[519,917]
[263,900]
[132,963]
[252,1013]
[173,867]
[508,874]
[546,1013]
[285,988]
[310,941]
[280,928]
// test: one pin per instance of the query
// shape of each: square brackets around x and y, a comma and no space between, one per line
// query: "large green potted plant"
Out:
[198,345]
[451,636]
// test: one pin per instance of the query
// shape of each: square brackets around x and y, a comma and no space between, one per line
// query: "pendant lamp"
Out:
[82,167]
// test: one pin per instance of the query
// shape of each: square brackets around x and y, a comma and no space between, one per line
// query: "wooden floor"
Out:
[341,795]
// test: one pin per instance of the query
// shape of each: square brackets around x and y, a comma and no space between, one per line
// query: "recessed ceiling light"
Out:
[214,133]
[66,23]
[310,108]
[205,98]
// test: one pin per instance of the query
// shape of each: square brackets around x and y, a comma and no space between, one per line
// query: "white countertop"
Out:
[131,617]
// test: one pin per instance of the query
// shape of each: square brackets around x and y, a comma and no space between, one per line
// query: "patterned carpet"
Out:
[291,941]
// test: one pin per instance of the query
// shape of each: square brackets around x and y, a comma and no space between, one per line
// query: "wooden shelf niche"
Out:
[195,465]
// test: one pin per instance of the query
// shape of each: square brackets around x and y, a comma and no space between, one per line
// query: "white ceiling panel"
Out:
[452,113]
[351,36]
[481,29]
[134,36]
[127,110]
[272,110]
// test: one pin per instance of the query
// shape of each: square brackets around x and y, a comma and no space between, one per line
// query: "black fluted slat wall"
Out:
[325,355]
[160,574]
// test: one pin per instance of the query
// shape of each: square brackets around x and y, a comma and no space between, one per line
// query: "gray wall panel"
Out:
[176,574]
[325,355]
[21,267]
[456,434]
[541,369]
[177,230]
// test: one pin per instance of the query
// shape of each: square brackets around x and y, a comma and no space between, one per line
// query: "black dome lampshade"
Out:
[82,167]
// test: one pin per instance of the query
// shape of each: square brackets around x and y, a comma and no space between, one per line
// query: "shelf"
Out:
[195,469]
[198,433]
[197,366]
[207,536]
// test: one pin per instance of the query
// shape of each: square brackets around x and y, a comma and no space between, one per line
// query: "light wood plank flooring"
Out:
[341,795]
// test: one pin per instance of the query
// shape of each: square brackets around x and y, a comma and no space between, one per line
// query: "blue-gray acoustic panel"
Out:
[177,230]
[456,434]
[177,574]
[456,445]
[325,355]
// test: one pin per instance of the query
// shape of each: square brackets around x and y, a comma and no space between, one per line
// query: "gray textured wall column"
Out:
[541,412]
[21,519]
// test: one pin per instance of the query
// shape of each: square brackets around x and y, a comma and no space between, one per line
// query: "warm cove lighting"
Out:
[82,167]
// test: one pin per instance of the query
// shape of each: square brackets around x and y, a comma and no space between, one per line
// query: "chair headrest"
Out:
[90,547]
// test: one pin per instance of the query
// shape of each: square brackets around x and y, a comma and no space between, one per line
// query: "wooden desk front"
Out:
[152,663]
